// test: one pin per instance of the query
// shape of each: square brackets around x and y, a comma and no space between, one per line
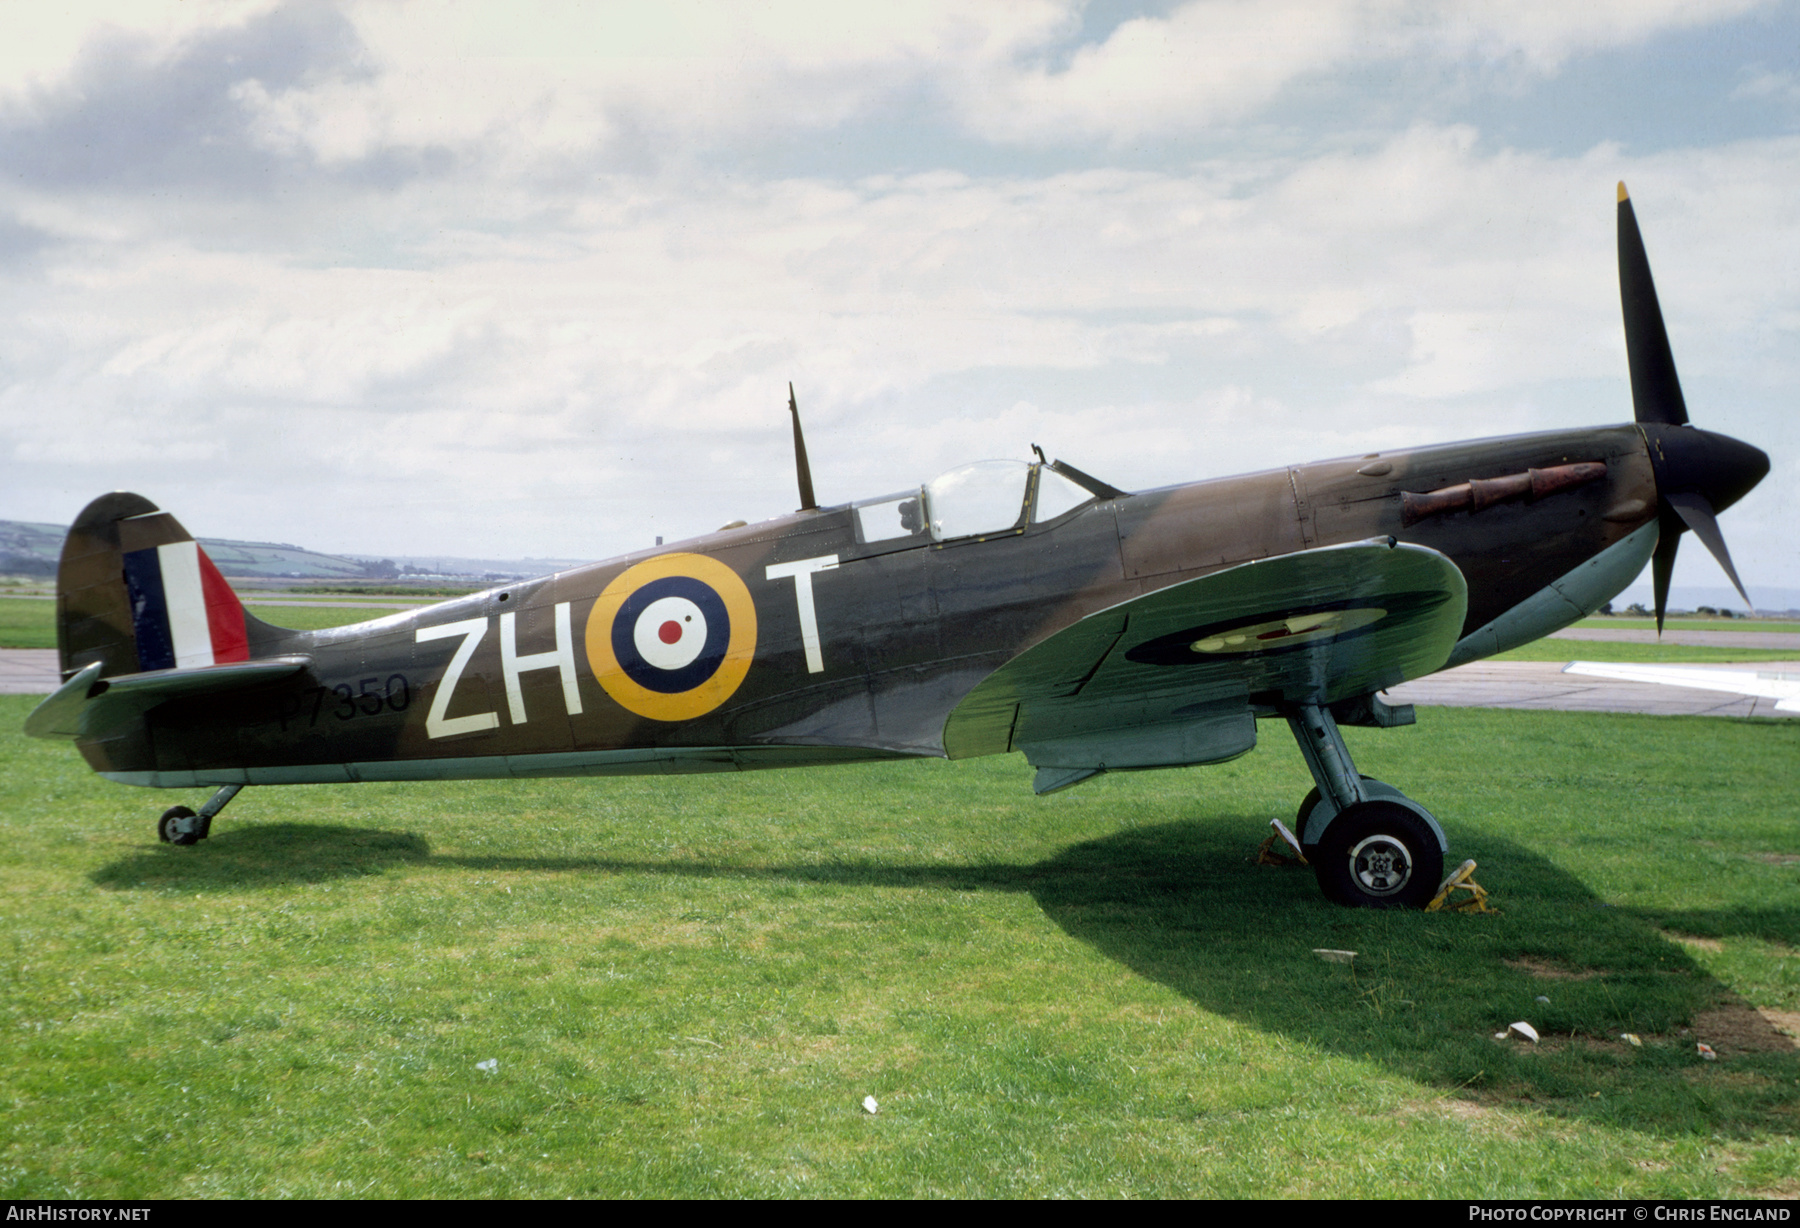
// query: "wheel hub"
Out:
[1381,864]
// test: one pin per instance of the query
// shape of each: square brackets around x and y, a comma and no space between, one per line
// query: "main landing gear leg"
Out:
[179,825]
[1370,845]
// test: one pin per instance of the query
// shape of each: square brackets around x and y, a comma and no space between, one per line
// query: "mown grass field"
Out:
[689,984]
[1689,622]
[30,622]
[27,622]
[1656,654]
[312,618]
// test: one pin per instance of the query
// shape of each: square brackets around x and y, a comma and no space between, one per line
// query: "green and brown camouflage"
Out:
[906,627]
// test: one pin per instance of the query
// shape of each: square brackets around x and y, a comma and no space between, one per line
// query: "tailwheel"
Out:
[179,825]
[1379,855]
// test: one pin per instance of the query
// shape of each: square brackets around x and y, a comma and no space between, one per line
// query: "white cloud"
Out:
[1761,85]
[556,79]
[1334,305]
[1214,61]
[1546,34]
[1202,63]
[493,360]
[43,42]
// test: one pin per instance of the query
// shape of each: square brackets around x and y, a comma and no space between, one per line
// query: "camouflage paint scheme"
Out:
[906,628]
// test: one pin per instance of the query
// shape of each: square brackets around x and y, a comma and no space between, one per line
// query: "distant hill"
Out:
[28,548]
[1768,597]
[278,559]
[427,566]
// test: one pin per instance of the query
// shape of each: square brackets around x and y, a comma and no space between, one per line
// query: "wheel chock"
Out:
[1461,879]
[1268,855]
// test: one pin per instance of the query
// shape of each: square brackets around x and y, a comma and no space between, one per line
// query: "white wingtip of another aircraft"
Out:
[1764,684]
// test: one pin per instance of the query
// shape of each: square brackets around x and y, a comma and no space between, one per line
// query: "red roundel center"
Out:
[669,632]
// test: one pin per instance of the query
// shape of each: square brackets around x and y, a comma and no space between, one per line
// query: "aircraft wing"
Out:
[1764,684]
[87,706]
[1174,676]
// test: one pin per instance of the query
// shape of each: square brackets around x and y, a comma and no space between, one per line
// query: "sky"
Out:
[532,279]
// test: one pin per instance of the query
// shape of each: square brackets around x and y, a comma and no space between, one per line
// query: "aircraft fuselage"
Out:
[824,646]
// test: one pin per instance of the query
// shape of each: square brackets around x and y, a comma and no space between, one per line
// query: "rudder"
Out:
[136,592]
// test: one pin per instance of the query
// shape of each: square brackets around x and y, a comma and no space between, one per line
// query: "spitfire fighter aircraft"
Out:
[1003,606]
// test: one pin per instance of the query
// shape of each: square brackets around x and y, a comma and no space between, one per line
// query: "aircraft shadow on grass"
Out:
[1182,904]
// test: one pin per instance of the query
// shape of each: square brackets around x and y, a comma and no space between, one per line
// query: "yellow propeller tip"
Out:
[1623,194]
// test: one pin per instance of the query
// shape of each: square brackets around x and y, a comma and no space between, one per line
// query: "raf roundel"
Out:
[672,637]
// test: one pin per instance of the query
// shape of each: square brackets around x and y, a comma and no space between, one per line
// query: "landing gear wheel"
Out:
[169,827]
[1379,855]
[1306,804]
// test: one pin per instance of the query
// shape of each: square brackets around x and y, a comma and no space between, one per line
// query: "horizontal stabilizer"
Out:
[88,706]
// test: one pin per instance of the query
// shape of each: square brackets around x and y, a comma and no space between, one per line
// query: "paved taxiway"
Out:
[27,671]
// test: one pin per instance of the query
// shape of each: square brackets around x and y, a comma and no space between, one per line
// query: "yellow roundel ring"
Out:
[672,638]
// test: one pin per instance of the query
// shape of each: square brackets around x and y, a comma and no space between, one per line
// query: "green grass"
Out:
[1673,623]
[256,596]
[27,622]
[390,590]
[690,983]
[311,618]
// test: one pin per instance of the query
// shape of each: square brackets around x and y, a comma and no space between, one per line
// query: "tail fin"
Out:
[136,592]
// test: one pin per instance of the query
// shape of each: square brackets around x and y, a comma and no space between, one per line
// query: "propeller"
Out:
[1698,473]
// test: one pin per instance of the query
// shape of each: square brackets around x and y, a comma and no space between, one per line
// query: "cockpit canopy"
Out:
[990,496]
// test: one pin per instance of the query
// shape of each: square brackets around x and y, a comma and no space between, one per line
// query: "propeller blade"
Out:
[1655,388]
[1698,514]
[1662,566]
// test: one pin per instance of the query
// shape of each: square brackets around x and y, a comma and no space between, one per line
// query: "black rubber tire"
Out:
[1306,804]
[1379,855]
[165,827]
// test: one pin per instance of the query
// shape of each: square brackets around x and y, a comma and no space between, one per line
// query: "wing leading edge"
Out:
[1177,676]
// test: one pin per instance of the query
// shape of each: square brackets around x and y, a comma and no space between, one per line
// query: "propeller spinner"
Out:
[1698,473]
